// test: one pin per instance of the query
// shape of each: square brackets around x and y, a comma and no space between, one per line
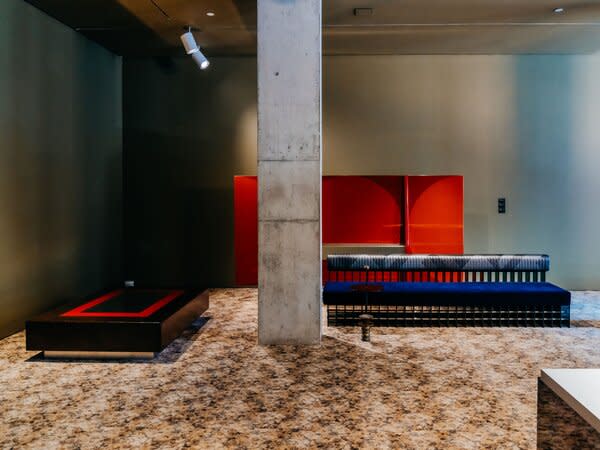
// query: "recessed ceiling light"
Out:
[558,10]
[210,14]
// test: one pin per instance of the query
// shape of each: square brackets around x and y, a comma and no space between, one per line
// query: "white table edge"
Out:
[579,408]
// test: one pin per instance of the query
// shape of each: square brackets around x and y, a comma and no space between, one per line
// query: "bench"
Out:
[445,290]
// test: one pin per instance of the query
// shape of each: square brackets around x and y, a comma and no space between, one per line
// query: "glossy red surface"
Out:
[362,210]
[245,212]
[83,310]
[434,214]
[365,210]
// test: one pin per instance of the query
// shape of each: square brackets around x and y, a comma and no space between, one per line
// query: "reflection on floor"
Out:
[214,387]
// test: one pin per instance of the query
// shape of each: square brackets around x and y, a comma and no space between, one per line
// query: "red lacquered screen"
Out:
[434,214]
[362,209]
[245,215]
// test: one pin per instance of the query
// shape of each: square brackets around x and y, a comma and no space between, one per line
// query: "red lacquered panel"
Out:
[362,209]
[245,211]
[434,214]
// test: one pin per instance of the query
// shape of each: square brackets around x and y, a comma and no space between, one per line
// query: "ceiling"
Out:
[152,27]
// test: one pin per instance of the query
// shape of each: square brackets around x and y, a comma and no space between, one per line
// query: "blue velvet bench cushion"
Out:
[451,263]
[464,294]
[479,304]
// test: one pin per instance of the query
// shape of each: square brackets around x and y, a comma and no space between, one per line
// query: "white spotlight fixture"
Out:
[191,48]
[558,10]
[210,14]
[200,59]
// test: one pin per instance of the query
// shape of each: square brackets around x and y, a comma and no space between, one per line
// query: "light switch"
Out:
[501,205]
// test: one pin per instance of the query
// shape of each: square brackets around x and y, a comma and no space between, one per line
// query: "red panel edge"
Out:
[245,215]
[406,216]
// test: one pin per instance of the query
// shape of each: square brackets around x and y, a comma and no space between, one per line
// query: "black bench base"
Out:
[449,304]
[451,316]
[120,323]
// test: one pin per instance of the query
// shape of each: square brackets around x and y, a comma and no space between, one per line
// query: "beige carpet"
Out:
[215,388]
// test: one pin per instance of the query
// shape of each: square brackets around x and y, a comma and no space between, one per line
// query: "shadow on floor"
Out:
[585,323]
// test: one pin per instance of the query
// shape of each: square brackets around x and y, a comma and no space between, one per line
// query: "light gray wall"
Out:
[60,164]
[524,128]
[520,127]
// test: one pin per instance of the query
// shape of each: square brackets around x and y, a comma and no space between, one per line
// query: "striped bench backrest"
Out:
[458,268]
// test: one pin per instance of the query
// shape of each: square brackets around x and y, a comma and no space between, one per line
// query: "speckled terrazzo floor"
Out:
[215,388]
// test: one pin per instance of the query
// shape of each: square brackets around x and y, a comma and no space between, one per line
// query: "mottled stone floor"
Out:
[215,388]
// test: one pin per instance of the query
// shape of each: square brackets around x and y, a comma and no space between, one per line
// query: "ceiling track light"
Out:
[558,10]
[192,49]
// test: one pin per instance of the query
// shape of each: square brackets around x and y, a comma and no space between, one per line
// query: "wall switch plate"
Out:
[501,205]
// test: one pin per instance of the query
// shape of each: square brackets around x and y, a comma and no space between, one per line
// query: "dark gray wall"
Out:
[520,127]
[187,133]
[60,165]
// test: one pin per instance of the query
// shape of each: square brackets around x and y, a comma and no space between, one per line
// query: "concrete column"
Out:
[289,171]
